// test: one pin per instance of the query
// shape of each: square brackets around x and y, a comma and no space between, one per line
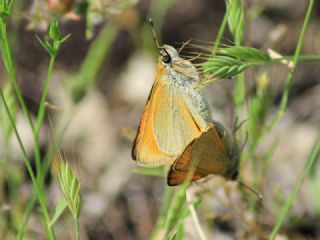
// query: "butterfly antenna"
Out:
[155,39]
[245,141]
[234,129]
[237,126]
[258,195]
[184,45]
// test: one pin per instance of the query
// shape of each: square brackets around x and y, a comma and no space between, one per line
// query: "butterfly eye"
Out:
[166,58]
[235,175]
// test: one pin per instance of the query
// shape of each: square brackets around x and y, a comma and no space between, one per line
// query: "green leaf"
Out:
[5,9]
[246,54]
[64,38]
[158,172]
[47,46]
[99,49]
[232,61]
[55,35]
[62,204]
[54,31]
[236,20]
[223,66]
[70,187]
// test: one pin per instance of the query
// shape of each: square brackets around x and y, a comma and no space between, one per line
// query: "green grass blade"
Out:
[314,154]
[285,96]
[157,172]
[177,207]
[159,226]
[93,62]
[61,206]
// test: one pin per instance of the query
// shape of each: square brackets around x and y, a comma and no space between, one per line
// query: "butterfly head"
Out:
[168,55]
[232,150]
[233,153]
[170,59]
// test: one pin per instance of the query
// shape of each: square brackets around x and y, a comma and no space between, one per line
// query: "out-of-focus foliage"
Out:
[85,99]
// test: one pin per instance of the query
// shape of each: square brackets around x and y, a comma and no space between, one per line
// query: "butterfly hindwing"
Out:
[206,154]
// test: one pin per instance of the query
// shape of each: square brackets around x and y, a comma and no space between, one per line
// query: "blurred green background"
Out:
[100,82]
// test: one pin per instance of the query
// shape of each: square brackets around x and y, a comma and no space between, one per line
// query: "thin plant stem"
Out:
[239,88]
[178,203]
[26,215]
[168,195]
[7,58]
[300,58]
[194,215]
[10,171]
[44,169]
[77,223]
[45,166]
[285,96]
[38,190]
[284,100]
[37,155]
[286,58]
[87,73]
[288,204]
[60,130]
[40,116]
[42,108]
[177,206]
[221,31]
[41,171]
[283,106]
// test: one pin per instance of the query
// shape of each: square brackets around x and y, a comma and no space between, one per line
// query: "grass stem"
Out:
[288,204]
[38,190]
[221,31]
[77,222]
[285,96]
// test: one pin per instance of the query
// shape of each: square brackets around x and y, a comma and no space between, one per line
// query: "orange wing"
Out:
[167,126]
[207,154]
[145,145]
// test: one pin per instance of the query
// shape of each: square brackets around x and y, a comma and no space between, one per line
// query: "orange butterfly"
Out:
[176,111]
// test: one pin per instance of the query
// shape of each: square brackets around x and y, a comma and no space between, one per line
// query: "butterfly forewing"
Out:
[175,113]
[169,123]
[176,126]
[145,148]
